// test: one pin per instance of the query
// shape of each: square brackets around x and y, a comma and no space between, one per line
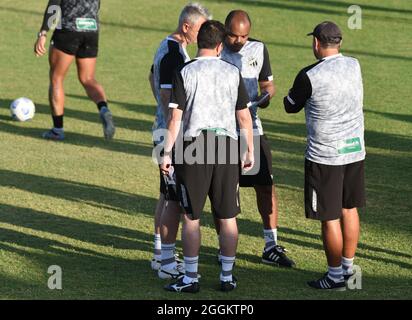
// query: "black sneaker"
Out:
[180,286]
[277,256]
[227,286]
[326,283]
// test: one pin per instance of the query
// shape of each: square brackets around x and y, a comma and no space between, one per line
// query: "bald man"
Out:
[252,58]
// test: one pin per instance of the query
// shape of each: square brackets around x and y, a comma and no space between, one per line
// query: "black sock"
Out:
[102,104]
[58,122]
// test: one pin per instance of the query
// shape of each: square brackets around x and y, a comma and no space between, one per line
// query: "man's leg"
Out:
[268,209]
[350,230]
[228,239]
[169,226]
[156,261]
[191,245]
[86,69]
[59,66]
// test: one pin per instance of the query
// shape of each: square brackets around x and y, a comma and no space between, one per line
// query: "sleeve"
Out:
[299,94]
[178,97]
[168,65]
[266,72]
[48,14]
[243,100]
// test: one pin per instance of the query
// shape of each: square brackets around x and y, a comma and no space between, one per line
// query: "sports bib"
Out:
[349,146]
[86,24]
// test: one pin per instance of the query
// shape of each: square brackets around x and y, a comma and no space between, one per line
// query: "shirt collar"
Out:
[333,56]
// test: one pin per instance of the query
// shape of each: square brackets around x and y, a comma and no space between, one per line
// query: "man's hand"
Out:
[40,46]
[166,164]
[248,162]
[263,100]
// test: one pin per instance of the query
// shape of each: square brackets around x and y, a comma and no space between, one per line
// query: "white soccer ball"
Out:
[22,109]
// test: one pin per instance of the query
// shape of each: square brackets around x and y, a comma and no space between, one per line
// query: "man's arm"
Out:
[266,84]
[298,94]
[40,45]
[245,124]
[151,81]
[169,64]
[176,107]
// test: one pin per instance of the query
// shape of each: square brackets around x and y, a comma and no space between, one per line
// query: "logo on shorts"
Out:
[86,24]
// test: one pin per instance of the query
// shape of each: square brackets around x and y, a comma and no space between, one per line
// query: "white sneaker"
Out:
[155,264]
[173,273]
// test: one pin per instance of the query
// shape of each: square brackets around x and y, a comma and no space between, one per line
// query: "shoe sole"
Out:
[277,264]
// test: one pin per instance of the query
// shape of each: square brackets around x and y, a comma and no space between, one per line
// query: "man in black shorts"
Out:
[210,94]
[170,55]
[76,37]
[331,91]
[252,58]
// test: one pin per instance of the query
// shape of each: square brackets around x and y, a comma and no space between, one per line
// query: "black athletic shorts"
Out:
[79,44]
[329,189]
[219,181]
[264,177]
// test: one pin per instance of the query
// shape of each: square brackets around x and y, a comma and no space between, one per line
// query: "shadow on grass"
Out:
[138,108]
[392,116]
[85,231]
[97,196]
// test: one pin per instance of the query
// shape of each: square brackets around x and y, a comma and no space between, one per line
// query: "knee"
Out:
[86,81]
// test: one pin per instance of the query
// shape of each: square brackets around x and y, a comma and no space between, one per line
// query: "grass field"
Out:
[87,204]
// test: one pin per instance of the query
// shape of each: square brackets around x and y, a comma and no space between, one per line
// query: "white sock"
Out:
[227,267]
[271,238]
[157,246]
[191,266]
[335,273]
[168,256]
[347,265]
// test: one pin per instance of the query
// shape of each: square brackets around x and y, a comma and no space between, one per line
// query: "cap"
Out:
[327,32]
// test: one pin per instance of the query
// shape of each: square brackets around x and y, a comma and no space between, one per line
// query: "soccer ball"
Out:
[22,109]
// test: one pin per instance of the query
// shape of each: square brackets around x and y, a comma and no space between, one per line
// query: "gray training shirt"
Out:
[209,91]
[168,58]
[254,65]
[331,91]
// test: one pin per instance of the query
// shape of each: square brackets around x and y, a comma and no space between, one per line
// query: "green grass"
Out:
[87,205]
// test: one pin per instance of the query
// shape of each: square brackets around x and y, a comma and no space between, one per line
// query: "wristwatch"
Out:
[42,34]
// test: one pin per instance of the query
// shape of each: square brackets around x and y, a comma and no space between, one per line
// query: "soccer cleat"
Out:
[53,135]
[277,256]
[173,273]
[180,286]
[108,124]
[227,286]
[326,283]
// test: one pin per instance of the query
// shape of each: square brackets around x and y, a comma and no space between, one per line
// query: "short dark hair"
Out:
[211,34]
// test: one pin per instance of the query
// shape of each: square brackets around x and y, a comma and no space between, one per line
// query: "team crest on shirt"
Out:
[253,62]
